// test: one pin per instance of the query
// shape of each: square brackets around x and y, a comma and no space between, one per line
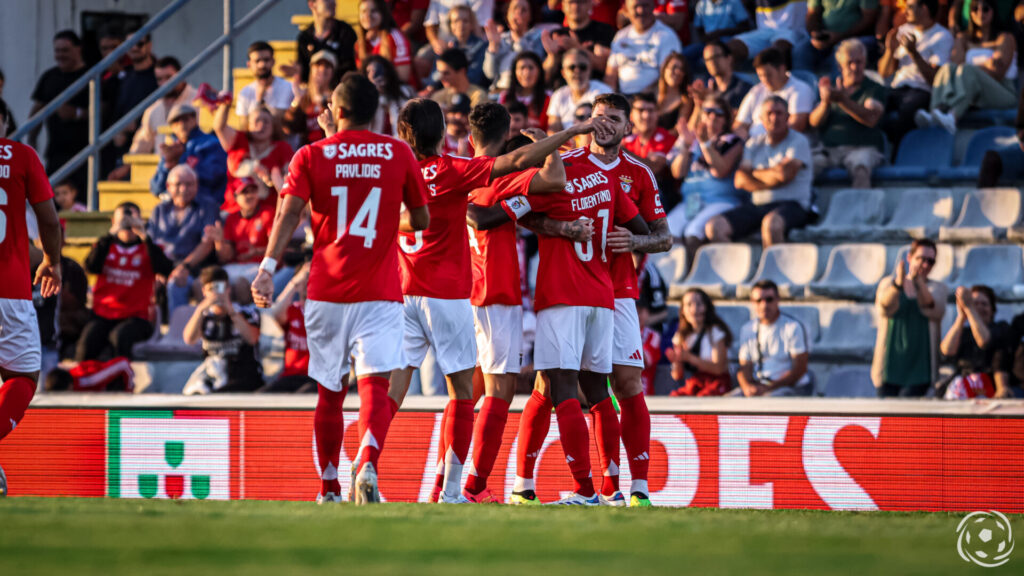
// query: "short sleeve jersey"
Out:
[22,181]
[250,236]
[435,262]
[356,182]
[240,159]
[579,273]
[495,280]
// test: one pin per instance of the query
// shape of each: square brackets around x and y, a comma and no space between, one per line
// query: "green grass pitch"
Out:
[112,537]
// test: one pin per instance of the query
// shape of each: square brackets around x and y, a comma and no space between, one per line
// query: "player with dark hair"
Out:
[356,182]
[22,182]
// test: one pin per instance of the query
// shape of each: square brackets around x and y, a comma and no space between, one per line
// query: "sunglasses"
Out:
[716,111]
[576,67]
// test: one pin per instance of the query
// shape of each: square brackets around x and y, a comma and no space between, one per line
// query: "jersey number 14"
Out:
[364,223]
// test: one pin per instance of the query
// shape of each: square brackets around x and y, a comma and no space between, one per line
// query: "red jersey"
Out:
[660,143]
[578,273]
[435,261]
[676,7]
[125,287]
[240,156]
[356,182]
[401,11]
[250,236]
[23,182]
[495,280]
[398,49]
[606,11]
[296,350]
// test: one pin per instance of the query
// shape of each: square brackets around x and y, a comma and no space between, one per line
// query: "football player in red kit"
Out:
[356,182]
[22,182]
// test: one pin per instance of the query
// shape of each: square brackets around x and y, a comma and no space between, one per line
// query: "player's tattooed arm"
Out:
[533,154]
[657,239]
[578,230]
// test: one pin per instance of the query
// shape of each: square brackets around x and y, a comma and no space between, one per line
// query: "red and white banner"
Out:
[728,461]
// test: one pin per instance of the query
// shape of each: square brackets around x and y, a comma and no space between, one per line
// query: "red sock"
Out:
[442,447]
[636,436]
[533,429]
[572,428]
[329,427]
[374,418]
[606,434]
[460,435]
[15,394]
[490,427]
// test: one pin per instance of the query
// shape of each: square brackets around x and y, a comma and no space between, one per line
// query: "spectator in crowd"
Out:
[603,11]
[773,349]
[393,94]
[705,161]
[139,80]
[452,69]
[579,88]
[502,47]
[65,194]
[110,38]
[958,16]
[12,126]
[914,52]
[652,311]
[528,88]
[674,100]
[775,81]
[639,49]
[700,348]
[777,171]
[778,25]
[981,72]
[287,311]
[582,32]
[67,131]
[259,153]
[178,226]
[325,33]
[649,142]
[673,13]
[230,335]
[438,21]
[977,344]
[715,20]
[830,22]
[126,262]
[910,308]
[189,145]
[847,117]
[62,316]
[242,240]
[519,117]
[267,90]
[310,99]
[719,64]
[1015,351]
[378,34]
[893,14]
[466,37]
[456,117]
[410,15]
[1006,160]
[155,116]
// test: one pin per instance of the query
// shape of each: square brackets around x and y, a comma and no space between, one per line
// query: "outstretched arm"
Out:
[289,213]
[533,154]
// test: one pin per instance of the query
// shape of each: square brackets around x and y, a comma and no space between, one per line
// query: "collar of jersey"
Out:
[602,165]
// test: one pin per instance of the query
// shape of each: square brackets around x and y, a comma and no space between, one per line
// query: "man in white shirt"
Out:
[914,52]
[639,49]
[436,21]
[271,91]
[773,349]
[775,81]
[579,88]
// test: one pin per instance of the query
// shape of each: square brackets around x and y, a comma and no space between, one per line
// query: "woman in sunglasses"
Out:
[705,159]
[579,88]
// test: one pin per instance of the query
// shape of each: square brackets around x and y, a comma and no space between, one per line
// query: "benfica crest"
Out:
[627,183]
[330,151]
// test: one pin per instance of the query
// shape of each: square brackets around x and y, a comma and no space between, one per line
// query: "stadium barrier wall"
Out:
[851,461]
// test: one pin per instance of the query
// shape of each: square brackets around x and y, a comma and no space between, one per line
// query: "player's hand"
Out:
[48,278]
[901,272]
[581,230]
[263,289]
[620,240]
[326,122]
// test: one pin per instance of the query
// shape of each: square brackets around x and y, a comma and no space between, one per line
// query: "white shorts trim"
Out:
[447,325]
[574,338]
[628,347]
[20,349]
[499,338]
[370,333]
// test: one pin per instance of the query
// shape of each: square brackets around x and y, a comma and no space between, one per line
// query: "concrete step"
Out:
[113,193]
[143,167]
[86,224]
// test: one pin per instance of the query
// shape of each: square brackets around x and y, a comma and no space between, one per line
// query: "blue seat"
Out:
[982,141]
[921,153]
[1005,117]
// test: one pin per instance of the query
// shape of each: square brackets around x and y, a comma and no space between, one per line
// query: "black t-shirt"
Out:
[653,291]
[592,34]
[221,340]
[133,88]
[341,42]
[971,359]
[64,137]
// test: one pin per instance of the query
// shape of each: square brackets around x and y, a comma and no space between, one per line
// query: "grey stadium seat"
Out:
[851,214]
[942,271]
[170,346]
[717,269]
[791,266]
[671,264]
[850,382]
[985,216]
[851,334]
[734,316]
[997,266]
[808,316]
[919,213]
[852,272]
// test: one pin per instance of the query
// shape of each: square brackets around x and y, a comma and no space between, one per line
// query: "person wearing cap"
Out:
[310,99]
[451,67]
[241,242]
[187,144]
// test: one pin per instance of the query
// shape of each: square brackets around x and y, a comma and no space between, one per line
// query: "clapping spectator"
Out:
[700,348]
[393,94]
[773,349]
[776,81]
[310,99]
[779,26]
[527,87]
[126,262]
[978,346]
[202,152]
[287,311]
[674,100]
[503,47]
[155,117]
[589,35]
[230,335]
[452,69]
[325,33]
[715,20]
[266,90]
[830,23]
[259,153]
[981,71]
[910,308]
[65,194]
[719,63]
[847,117]
[379,35]
[639,49]
[579,89]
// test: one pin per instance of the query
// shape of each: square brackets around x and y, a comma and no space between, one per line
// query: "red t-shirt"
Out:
[279,156]
[660,143]
[495,280]
[533,119]
[250,236]
[606,11]
[398,48]
[125,287]
[676,7]
[577,273]
[435,261]
[401,10]
[356,182]
[296,351]
[22,182]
